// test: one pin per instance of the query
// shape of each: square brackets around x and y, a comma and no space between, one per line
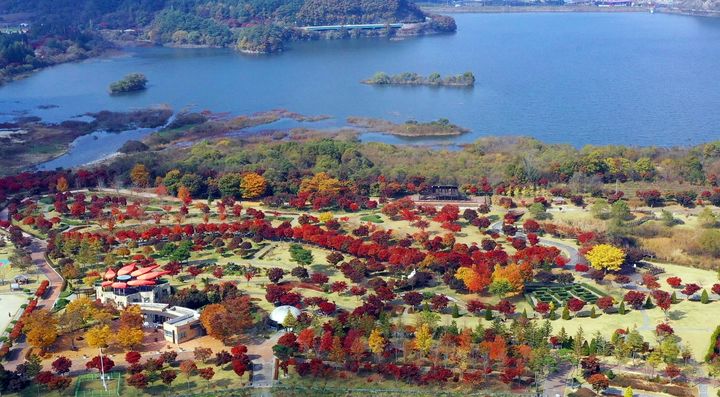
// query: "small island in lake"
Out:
[466,79]
[411,128]
[130,83]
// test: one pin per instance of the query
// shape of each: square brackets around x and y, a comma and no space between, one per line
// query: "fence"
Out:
[110,376]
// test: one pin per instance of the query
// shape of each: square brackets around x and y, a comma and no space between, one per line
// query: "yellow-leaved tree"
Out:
[376,342]
[99,336]
[606,257]
[325,217]
[320,182]
[41,329]
[253,185]
[128,337]
[507,280]
[140,175]
[423,338]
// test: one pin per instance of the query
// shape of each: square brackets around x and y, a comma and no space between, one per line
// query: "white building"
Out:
[132,295]
[144,287]
[179,324]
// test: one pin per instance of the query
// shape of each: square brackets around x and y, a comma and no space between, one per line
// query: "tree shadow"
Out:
[676,315]
[327,269]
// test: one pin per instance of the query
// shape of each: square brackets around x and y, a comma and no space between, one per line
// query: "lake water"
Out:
[623,78]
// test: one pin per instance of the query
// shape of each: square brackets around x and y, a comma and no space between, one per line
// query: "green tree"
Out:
[302,256]
[488,314]
[578,343]
[620,211]
[455,311]
[538,211]
[600,209]
[706,218]
[670,350]
[667,218]
[710,242]
[501,287]
[182,252]
[20,259]
[635,342]
[229,185]
[566,313]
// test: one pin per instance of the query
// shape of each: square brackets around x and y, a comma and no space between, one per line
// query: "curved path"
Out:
[572,252]
[37,248]
[261,353]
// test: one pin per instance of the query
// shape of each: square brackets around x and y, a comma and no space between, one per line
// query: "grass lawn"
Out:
[374,218]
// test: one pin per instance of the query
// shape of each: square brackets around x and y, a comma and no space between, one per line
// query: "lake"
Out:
[577,78]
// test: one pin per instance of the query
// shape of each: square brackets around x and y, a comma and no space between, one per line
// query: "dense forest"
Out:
[249,25]
[21,53]
[331,12]
[511,161]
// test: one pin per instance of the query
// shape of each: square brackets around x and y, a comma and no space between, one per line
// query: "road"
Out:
[37,247]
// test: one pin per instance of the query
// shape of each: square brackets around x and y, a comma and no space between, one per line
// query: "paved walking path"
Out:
[571,251]
[555,384]
[263,362]
[37,248]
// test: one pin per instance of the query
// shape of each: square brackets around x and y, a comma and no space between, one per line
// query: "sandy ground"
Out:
[9,306]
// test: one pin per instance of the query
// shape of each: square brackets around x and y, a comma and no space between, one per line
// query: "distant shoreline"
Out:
[529,9]
[476,9]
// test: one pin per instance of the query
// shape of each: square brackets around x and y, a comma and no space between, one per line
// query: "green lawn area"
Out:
[374,218]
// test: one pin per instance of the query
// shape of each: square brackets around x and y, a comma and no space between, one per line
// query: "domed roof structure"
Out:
[280,313]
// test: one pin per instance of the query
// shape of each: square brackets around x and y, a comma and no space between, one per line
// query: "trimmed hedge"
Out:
[712,350]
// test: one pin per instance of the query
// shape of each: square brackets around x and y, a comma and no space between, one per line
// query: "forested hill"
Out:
[326,12]
[709,7]
[230,13]
[249,25]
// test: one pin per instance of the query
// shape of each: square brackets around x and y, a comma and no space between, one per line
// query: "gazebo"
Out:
[279,314]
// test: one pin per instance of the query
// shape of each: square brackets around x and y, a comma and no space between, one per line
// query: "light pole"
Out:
[102,371]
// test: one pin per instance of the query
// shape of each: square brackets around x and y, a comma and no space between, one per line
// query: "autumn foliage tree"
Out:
[606,257]
[229,318]
[510,276]
[61,365]
[599,382]
[138,380]
[253,185]
[105,364]
[41,328]
[140,176]
[575,304]
[475,278]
